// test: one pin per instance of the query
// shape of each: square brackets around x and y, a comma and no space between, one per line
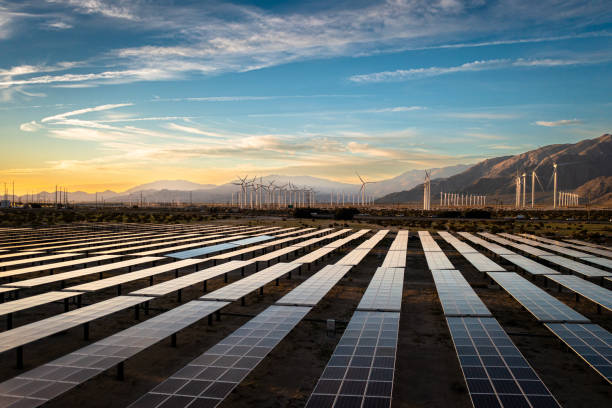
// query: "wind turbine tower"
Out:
[554,185]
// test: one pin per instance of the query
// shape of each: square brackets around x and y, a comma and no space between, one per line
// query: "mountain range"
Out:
[584,168]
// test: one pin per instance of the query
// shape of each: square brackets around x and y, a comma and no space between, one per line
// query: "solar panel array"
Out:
[591,342]
[428,243]
[459,245]
[589,290]
[457,296]
[361,370]
[56,265]
[35,300]
[207,380]
[37,386]
[543,306]
[384,293]
[496,373]
[229,237]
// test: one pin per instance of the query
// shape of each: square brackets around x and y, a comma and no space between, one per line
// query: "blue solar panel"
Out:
[192,253]
[252,240]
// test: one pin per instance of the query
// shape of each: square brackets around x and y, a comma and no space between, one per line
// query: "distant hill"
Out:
[579,166]
[181,185]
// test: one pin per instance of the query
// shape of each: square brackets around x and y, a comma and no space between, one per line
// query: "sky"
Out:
[108,94]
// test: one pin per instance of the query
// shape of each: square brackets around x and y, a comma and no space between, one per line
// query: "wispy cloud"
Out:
[563,122]
[32,126]
[473,66]
[99,108]
[481,115]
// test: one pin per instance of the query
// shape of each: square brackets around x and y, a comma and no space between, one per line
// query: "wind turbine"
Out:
[362,190]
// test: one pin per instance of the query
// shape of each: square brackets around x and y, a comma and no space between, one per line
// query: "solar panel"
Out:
[340,242]
[371,242]
[528,265]
[395,259]
[360,372]
[591,342]
[569,252]
[543,306]
[33,301]
[313,289]
[589,290]
[59,277]
[83,243]
[555,246]
[384,293]
[456,295]
[252,240]
[354,257]
[185,281]
[163,244]
[56,265]
[578,267]
[208,380]
[319,239]
[603,252]
[201,251]
[18,254]
[101,284]
[587,244]
[437,260]
[546,240]
[186,246]
[42,384]
[141,242]
[243,287]
[496,249]
[42,259]
[531,250]
[607,263]
[482,263]
[496,373]
[40,329]
[400,243]
[460,246]
[428,243]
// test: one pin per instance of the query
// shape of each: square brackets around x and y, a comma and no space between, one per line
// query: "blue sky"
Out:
[97,94]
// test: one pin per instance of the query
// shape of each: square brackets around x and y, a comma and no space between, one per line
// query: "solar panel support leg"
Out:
[218,315]
[210,320]
[146,308]
[129,269]
[173,339]
[120,371]
[261,291]
[577,298]
[214,262]
[86,331]
[598,309]
[100,275]
[20,357]
[150,280]
[225,277]
[176,273]
[559,288]
[137,312]
[62,284]
[179,295]
[118,290]
[66,305]
[242,301]
[9,321]
[204,287]
[277,282]
[289,275]
[79,301]
[256,266]
[242,271]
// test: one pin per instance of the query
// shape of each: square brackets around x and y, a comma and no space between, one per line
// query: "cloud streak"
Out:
[556,123]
